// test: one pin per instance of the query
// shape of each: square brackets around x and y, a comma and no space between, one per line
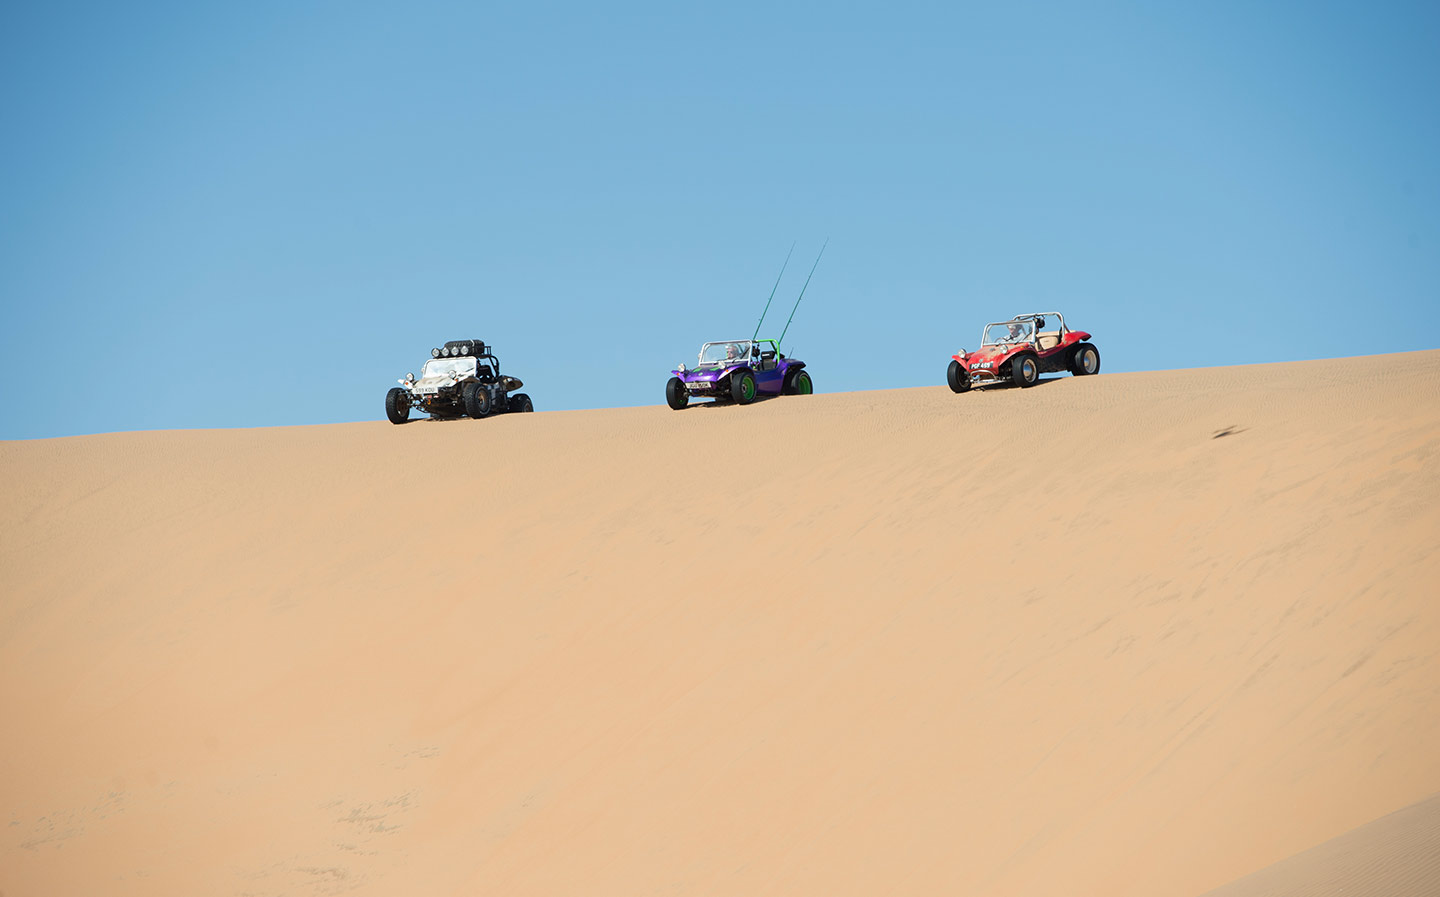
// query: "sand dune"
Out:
[1131,634]
[1394,856]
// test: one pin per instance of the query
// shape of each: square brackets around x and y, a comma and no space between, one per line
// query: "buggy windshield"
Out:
[440,367]
[1008,333]
[720,354]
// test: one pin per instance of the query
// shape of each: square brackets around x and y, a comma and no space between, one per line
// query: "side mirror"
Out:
[410,377]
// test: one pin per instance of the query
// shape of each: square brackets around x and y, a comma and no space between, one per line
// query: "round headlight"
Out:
[434,353]
[450,350]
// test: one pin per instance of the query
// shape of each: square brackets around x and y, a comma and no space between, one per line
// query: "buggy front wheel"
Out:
[1025,370]
[742,387]
[957,377]
[676,395]
[397,405]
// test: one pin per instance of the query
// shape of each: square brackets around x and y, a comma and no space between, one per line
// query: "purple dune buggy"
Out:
[738,371]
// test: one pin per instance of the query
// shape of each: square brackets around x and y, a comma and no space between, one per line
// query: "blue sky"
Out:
[261,214]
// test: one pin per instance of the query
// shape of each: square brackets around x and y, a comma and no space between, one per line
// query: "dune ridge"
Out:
[1397,855]
[1128,634]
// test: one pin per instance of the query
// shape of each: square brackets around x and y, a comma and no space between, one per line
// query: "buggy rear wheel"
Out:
[1085,360]
[742,387]
[676,395]
[1025,370]
[521,403]
[397,405]
[477,400]
[957,377]
[798,383]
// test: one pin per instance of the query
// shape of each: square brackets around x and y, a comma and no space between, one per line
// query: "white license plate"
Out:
[701,384]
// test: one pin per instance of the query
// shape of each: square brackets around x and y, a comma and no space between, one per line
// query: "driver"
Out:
[1016,334]
[732,352]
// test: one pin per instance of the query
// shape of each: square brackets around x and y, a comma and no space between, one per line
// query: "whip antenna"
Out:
[772,292]
[802,291]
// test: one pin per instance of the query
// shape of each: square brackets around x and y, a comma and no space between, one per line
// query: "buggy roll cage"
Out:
[470,348]
[755,350]
[1035,316]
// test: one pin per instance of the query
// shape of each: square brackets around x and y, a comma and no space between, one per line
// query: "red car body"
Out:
[1022,359]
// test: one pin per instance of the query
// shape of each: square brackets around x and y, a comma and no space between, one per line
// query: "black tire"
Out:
[1085,360]
[957,377]
[521,403]
[742,387]
[676,395]
[799,384]
[397,405]
[477,400]
[1025,370]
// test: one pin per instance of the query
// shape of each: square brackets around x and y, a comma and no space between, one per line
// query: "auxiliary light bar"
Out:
[458,348]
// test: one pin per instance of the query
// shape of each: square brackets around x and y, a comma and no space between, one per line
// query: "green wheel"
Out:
[676,395]
[742,387]
[802,384]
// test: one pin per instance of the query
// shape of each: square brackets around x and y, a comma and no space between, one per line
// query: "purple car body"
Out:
[738,371]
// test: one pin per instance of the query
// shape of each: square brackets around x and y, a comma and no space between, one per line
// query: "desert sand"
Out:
[1134,634]
[1396,855]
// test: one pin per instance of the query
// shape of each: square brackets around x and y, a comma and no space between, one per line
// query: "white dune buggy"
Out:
[461,379]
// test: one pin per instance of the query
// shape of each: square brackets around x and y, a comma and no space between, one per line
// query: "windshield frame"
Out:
[447,365]
[1032,319]
[1026,322]
[744,345]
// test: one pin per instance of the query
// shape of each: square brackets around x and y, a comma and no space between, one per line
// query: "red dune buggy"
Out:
[1020,350]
